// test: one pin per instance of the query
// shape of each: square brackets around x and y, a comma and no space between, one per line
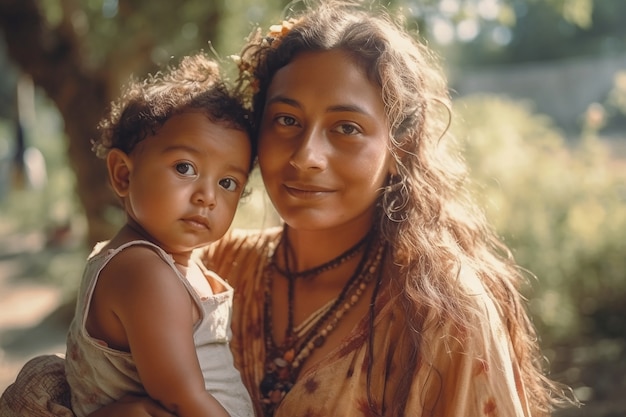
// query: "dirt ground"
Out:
[34,317]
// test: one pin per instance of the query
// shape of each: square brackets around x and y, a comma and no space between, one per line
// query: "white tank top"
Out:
[99,375]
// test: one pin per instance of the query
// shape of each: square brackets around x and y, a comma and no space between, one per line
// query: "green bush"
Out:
[559,205]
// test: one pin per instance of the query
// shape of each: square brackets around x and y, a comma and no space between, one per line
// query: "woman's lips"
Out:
[307,192]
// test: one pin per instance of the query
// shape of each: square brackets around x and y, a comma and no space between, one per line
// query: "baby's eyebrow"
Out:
[187,148]
[242,171]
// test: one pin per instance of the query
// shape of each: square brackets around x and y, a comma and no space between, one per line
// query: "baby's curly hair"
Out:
[144,106]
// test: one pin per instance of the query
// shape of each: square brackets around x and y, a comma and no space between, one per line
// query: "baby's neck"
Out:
[133,231]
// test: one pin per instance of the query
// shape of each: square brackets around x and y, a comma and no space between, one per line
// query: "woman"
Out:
[385,292]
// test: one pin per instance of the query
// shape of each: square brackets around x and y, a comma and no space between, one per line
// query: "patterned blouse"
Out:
[459,372]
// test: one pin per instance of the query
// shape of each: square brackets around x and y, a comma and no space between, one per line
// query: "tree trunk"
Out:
[52,58]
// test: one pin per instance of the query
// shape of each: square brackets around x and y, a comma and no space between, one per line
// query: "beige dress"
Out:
[460,372]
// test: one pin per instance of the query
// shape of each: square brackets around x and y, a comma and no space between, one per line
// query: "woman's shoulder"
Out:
[246,240]
[251,236]
[480,297]
[469,313]
[482,321]
[239,245]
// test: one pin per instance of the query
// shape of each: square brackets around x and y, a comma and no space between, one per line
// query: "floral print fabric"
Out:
[460,372]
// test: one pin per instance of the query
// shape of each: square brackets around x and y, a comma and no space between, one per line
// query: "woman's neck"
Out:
[312,248]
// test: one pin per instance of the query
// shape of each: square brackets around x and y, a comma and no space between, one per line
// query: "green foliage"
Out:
[560,207]
[616,102]
[575,11]
[534,30]
[124,29]
[135,38]
[26,208]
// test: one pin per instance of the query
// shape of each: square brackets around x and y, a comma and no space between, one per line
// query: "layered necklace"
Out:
[282,363]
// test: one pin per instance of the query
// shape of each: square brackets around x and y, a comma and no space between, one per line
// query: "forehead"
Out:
[196,132]
[332,76]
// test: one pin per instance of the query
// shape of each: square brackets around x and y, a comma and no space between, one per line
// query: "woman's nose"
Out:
[310,151]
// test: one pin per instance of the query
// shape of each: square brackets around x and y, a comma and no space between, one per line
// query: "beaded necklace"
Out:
[282,364]
[317,270]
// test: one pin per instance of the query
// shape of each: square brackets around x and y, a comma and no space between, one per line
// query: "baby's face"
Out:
[185,181]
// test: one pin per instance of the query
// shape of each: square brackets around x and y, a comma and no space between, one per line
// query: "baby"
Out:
[149,320]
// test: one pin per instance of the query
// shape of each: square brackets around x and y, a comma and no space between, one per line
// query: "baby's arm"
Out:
[140,305]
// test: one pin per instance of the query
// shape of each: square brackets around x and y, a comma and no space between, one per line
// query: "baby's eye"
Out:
[348,129]
[286,121]
[185,168]
[229,184]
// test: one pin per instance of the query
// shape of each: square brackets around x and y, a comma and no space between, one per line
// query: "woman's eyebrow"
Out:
[353,108]
[332,109]
[284,100]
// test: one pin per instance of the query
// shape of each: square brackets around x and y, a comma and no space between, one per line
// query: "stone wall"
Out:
[560,89]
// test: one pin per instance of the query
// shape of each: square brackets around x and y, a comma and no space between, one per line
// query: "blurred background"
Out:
[539,90]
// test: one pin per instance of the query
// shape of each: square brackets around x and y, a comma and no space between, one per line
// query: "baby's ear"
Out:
[119,166]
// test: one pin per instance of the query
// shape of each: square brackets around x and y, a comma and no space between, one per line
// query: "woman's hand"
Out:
[133,406]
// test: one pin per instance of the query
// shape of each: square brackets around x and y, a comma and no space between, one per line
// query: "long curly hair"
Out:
[430,219]
[144,106]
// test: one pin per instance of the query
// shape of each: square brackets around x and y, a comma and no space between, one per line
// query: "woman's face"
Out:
[323,142]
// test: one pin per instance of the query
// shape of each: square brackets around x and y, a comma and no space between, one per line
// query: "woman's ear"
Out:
[119,166]
[392,166]
[393,169]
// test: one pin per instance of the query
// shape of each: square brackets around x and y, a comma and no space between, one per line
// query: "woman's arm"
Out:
[133,406]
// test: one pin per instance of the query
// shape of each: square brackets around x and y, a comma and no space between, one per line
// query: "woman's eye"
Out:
[228,184]
[286,121]
[185,168]
[348,129]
